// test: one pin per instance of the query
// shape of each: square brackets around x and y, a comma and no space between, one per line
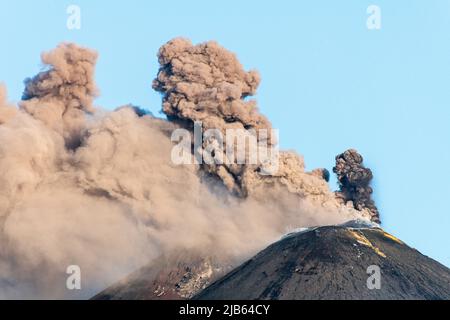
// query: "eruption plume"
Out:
[354,181]
[85,186]
[206,83]
[61,95]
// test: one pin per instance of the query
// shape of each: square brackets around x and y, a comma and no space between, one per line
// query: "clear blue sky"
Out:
[328,84]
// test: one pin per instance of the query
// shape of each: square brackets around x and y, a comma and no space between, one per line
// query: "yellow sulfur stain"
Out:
[390,236]
[361,239]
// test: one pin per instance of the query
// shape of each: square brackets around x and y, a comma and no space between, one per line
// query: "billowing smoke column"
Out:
[206,83]
[62,95]
[84,186]
[354,181]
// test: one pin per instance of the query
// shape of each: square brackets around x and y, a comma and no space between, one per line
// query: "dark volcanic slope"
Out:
[177,276]
[331,263]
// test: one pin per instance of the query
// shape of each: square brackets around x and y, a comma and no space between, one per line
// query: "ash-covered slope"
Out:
[177,276]
[331,263]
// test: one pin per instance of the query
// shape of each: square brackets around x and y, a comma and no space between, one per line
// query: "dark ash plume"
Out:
[207,83]
[354,182]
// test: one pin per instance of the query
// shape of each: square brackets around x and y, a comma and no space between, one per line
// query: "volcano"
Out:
[334,262]
[330,262]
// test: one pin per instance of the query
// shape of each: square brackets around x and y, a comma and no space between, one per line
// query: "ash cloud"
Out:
[354,182]
[96,188]
[63,94]
[207,83]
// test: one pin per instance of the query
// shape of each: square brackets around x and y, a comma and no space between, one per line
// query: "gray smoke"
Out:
[95,188]
[206,83]
[354,182]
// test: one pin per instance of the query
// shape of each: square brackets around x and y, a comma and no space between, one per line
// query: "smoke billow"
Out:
[95,188]
[206,83]
[62,95]
[354,181]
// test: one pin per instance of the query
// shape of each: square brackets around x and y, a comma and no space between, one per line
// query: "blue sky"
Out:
[328,83]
